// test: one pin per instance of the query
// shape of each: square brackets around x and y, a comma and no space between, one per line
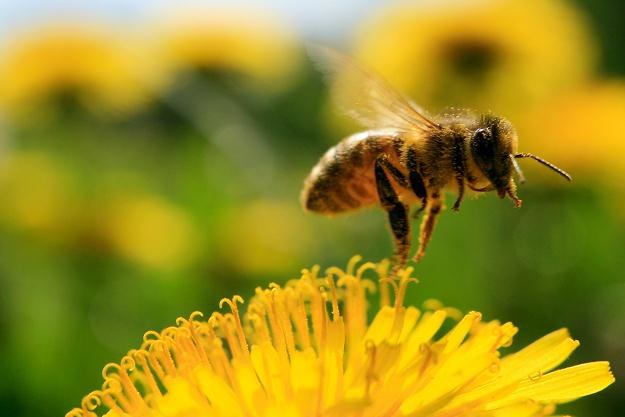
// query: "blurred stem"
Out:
[226,125]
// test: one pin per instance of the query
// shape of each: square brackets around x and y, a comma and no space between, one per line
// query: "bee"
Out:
[407,157]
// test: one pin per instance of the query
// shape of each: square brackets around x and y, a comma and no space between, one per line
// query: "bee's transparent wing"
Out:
[366,96]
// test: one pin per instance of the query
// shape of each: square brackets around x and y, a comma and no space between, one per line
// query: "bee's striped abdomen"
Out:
[343,179]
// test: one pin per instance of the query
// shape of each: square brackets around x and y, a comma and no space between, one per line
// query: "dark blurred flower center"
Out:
[66,99]
[471,57]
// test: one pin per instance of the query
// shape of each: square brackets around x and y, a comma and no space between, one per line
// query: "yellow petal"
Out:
[455,337]
[219,393]
[381,325]
[562,385]
[535,350]
[569,383]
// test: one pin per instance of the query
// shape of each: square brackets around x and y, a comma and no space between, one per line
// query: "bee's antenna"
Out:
[517,169]
[545,163]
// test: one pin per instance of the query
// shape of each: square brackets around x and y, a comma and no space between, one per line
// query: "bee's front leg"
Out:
[433,208]
[511,191]
[397,211]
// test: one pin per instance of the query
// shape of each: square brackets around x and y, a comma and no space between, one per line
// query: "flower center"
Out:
[472,58]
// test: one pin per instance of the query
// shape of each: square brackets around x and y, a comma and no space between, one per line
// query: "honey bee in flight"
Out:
[407,157]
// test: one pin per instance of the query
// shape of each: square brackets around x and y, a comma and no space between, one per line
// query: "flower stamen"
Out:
[232,303]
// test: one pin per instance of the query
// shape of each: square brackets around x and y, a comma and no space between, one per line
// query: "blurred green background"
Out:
[151,165]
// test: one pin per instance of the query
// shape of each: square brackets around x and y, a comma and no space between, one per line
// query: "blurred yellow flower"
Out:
[148,231]
[37,195]
[99,68]
[264,237]
[486,54]
[585,129]
[242,41]
[306,349]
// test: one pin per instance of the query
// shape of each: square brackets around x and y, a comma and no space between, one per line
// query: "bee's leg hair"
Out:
[432,210]
[397,213]
[511,191]
[416,180]
[459,166]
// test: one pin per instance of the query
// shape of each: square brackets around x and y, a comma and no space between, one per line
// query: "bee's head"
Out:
[494,150]
[493,144]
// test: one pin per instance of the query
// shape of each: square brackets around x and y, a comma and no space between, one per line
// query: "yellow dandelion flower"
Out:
[252,44]
[307,349]
[584,128]
[104,71]
[488,54]
[148,231]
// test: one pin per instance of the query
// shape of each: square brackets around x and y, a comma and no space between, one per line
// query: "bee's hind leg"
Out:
[397,212]
[416,180]
[432,211]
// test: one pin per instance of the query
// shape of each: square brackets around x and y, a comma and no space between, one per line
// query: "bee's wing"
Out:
[366,96]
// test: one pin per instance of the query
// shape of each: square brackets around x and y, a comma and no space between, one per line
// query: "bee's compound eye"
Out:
[481,134]
[482,144]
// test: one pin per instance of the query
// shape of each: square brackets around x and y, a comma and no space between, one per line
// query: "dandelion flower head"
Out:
[254,44]
[91,63]
[307,349]
[489,54]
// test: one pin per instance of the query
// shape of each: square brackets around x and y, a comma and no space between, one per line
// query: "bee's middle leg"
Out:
[460,182]
[397,211]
